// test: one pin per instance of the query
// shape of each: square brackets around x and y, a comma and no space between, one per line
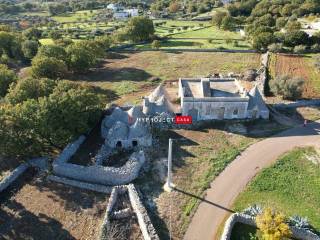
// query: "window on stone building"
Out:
[235,112]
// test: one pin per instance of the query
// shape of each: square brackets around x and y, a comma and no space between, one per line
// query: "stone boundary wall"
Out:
[263,73]
[99,174]
[302,103]
[298,233]
[39,163]
[69,150]
[8,180]
[146,227]
[78,184]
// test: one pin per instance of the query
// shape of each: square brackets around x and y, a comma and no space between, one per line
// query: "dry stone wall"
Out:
[146,227]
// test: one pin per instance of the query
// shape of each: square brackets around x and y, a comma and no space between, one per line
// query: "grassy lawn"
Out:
[175,26]
[76,16]
[292,185]
[210,32]
[200,44]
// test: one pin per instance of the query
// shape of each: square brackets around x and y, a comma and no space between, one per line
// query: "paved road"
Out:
[226,187]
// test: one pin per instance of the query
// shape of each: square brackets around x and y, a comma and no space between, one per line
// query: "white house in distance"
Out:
[220,98]
[126,13]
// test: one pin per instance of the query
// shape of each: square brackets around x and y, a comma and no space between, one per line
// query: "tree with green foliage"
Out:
[29,88]
[10,44]
[140,29]
[296,38]
[287,87]
[292,26]
[218,17]
[79,58]
[48,67]
[52,51]
[7,77]
[32,33]
[30,48]
[36,127]
[262,40]
[228,23]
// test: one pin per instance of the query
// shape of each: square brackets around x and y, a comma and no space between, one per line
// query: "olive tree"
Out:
[287,87]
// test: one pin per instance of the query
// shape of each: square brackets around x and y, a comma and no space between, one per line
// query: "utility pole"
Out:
[169,185]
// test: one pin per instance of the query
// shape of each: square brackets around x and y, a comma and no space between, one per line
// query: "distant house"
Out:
[121,15]
[113,7]
[220,98]
[126,13]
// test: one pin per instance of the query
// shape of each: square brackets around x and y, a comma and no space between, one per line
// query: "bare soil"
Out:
[296,66]
[44,210]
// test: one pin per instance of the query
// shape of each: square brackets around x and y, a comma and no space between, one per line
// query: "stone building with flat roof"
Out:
[220,98]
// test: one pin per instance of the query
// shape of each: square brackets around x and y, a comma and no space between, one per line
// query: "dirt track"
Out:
[226,187]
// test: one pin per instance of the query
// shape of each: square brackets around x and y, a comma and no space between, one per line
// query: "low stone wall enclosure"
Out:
[297,233]
[97,174]
[146,227]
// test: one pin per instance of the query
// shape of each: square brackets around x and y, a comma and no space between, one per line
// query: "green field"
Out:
[292,186]
[196,35]
[76,16]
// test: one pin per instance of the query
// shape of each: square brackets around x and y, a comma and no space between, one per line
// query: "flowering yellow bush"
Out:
[272,225]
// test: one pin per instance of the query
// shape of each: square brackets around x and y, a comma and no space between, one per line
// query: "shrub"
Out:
[155,44]
[48,67]
[253,210]
[300,222]
[287,87]
[315,48]
[7,77]
[300,49]
[275,47]
[29,88]
[273,225]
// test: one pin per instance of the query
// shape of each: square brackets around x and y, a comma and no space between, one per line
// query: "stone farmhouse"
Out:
[220,98]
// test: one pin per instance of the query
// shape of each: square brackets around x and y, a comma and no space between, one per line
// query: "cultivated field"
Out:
[132,75]
[298,66]
[45,210]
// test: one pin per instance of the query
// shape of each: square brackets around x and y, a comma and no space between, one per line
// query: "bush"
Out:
[30,48]
[155,44]
[29,88]
[315,48]
[273,225]
[48,67]
[7,77]
[287,87]
[300,222]
[253,210]
[300,49]
[275,47]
